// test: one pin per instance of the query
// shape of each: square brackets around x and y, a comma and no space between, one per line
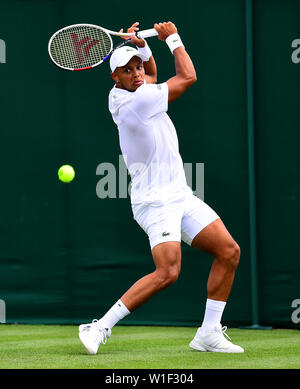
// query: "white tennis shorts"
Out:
[180,219]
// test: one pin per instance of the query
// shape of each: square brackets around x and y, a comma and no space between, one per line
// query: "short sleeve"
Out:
[150,99]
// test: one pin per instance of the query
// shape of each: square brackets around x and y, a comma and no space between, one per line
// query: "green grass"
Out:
[58,347]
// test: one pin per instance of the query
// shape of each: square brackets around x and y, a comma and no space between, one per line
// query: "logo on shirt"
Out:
[165,234]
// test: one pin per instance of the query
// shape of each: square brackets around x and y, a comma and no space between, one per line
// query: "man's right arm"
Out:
[185,71]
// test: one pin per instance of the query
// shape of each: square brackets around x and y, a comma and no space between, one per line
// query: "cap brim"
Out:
[126,60]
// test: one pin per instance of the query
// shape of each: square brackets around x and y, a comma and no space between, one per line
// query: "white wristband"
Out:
[174,41]
[145,50]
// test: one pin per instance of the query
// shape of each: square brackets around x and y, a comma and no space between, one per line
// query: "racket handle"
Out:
[147,33]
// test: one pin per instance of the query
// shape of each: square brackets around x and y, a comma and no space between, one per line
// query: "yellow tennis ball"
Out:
[66,173]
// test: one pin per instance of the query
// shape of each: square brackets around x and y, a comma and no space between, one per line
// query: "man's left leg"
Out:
[216,240]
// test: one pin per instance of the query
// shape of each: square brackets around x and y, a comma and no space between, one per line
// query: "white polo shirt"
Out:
[148,142]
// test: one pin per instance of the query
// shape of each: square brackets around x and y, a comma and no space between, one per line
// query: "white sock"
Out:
[213,313]
[117,312]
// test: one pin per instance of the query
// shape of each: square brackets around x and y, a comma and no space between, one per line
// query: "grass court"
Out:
[143,347]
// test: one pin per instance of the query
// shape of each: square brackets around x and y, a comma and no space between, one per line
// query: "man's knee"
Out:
[167,258]
[230,254]
[167,277]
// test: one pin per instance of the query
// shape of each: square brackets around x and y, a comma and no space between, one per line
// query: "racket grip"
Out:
[147,33]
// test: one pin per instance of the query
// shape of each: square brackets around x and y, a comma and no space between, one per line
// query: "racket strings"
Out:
[80,47]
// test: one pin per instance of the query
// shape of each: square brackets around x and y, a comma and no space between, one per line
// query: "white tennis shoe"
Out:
[92,335]
[214,340]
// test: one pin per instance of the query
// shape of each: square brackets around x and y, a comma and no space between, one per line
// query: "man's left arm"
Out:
[150,71]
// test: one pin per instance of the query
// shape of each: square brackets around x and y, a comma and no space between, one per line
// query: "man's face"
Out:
[130,76]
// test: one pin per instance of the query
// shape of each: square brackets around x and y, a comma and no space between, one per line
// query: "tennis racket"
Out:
[84,46]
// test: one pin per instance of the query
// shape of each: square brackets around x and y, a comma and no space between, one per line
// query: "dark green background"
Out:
[65,255]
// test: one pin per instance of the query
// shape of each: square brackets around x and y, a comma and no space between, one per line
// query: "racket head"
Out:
[80,46]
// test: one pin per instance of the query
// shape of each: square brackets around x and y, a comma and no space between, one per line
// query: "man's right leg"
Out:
[167,260]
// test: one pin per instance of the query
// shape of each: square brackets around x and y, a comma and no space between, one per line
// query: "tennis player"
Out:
[162,202]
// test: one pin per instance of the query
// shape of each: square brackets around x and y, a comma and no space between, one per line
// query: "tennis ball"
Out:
[66,173]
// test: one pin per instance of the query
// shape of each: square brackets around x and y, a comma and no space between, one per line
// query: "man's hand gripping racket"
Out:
[84,46]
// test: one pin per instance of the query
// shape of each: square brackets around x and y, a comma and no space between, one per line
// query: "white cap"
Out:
[123,55]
